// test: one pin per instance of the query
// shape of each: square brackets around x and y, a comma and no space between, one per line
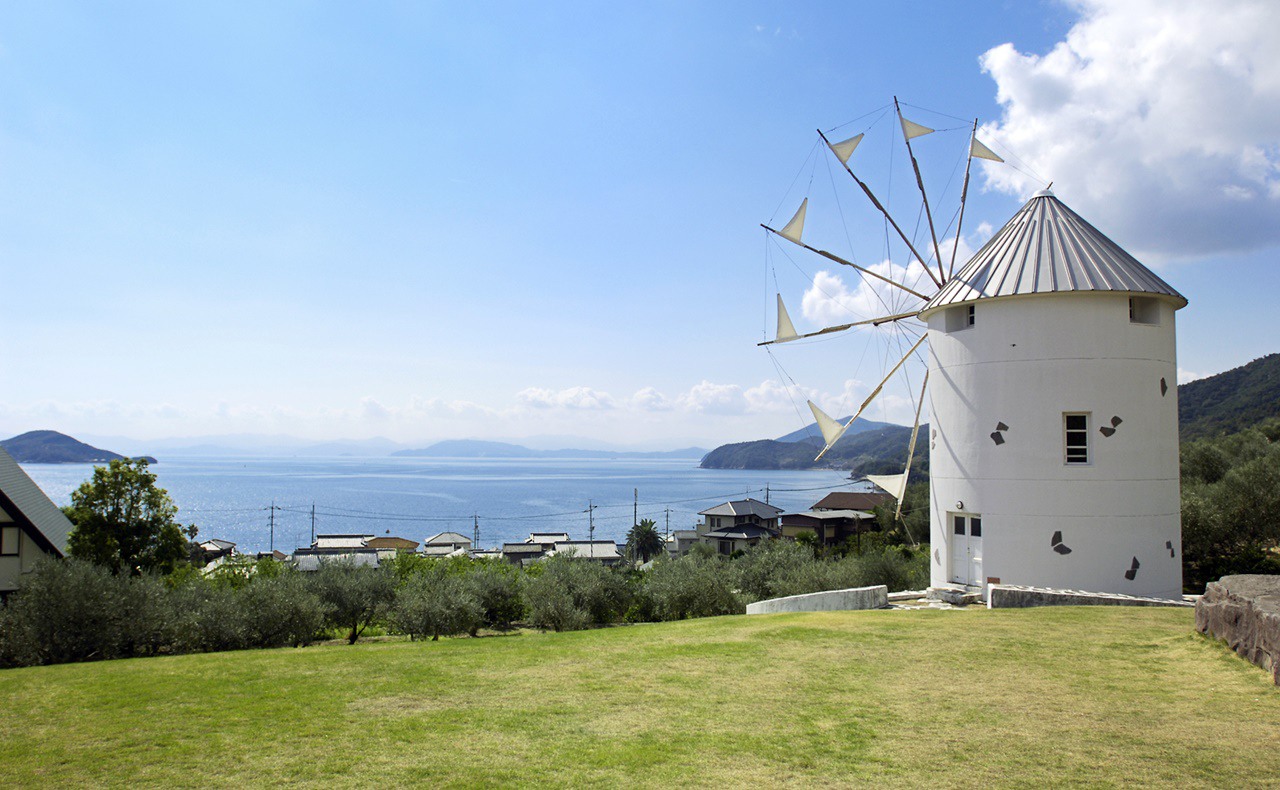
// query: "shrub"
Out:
[766,564]
[696,585]
[73,610]
[353,596]
[496,585]
[435,603]
[568,591]
[281,611]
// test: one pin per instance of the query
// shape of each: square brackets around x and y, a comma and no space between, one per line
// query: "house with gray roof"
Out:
[604,552]
[31,526]
[739,524]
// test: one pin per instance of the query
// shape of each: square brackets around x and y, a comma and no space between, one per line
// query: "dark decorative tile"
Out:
[1115,422]
[997,438]
[1105,431]
[1001,427]
[1132,573]
[1164,387]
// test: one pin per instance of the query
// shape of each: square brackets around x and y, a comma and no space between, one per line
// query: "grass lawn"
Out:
[1008,698]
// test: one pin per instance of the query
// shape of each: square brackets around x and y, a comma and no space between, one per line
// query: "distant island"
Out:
[475,448]
[51,447]
[868,447]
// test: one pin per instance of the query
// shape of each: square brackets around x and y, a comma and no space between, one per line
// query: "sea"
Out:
[264,503]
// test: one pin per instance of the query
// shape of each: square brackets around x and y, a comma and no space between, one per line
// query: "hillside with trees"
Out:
[1230,401]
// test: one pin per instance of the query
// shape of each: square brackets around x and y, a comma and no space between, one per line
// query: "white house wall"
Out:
[1024,362]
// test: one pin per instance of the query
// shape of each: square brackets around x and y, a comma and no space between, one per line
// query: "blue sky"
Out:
[499,220]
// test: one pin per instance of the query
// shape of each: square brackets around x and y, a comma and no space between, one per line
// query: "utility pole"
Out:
[766,493]
[668,523]
[475,532]
[591,521]
[313,523]
[273,525]
[635,509]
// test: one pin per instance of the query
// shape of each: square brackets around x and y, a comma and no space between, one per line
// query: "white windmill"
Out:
[1051,379]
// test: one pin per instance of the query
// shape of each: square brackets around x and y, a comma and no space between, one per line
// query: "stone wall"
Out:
[830,601]
[1011,596]
[1245,611]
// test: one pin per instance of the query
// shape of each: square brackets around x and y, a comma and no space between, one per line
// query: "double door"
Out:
[966,549]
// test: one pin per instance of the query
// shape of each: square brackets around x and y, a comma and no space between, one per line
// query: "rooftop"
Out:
[743,507]
[1048,248]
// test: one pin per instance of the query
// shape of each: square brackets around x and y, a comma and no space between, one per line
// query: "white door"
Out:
[966,549]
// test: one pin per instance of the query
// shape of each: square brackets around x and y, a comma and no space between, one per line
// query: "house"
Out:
[211,551]
[330,542]
[391,542]
[853,500]
[604,552]
[310,559]
[548,539]
[446,544]
[832,527]
[681,540]
[736,525]
[524,553]
[353,548]
[836,517]
[31,526]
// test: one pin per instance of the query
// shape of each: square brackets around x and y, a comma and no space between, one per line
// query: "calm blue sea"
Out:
[415,498]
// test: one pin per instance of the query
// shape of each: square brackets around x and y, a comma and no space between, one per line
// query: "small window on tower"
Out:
[1075,429]
[1143,310]
[959,317]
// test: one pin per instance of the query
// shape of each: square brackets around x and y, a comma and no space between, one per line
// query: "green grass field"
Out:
[1009,698]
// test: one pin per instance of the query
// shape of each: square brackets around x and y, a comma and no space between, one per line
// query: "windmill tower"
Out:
[1054,434]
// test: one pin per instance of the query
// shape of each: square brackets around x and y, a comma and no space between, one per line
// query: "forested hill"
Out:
[880,450]
[1230,401]
[51,447]
[1225,403]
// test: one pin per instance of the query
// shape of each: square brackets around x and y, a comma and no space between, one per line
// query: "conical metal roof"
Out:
[1048,248]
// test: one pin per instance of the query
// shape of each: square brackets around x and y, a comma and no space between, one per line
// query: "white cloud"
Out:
[580,398]
[371,409]
[1189,375]
[714,398]
[649,399]
[1157,120]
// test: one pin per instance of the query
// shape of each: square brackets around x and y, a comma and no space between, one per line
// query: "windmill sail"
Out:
[894,484]
[977,149]
[831,429]
[786,330]
[912,130]
[844,150]
[795,227]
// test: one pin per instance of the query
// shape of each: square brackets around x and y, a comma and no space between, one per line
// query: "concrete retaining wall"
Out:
[1010,596]
[830,601]
[1245,611]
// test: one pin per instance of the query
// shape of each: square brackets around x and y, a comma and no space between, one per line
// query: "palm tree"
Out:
[644,541]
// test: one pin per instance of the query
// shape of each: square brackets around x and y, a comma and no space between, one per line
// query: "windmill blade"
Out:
[911,130]
[793,229]
[884,319]
[865,403]
[893,484]
[977,149]
[786,330]
[831,429]
[844,149]
[911,452]
[843,262]
[866,190]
